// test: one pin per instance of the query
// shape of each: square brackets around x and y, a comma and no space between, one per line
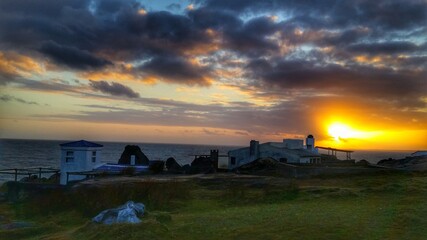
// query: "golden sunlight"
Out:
[339,131]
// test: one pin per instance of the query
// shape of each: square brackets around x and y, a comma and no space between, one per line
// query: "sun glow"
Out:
[343,132]
[340,131]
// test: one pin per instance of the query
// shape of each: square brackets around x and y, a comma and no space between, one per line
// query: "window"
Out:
[283,160]
[69,156]
[94,156]
[233,161]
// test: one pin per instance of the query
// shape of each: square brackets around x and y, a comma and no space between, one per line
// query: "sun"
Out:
[340,131]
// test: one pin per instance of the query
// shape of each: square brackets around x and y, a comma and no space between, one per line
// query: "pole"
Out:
[40,173]
[16,174]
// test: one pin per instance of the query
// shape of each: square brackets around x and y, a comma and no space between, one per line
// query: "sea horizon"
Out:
[197,144]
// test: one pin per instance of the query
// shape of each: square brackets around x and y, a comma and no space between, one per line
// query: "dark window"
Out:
[233,161]
[283,160]
[69,156]
[94,156]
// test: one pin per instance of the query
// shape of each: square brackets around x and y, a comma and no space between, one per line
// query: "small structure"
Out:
[333,152]
[78,156]
[133,155]
[288,151]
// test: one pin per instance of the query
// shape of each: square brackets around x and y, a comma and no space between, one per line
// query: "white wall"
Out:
[294,143]
[82,161]
[242,155]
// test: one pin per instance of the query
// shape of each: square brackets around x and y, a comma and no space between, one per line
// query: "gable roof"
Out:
[81,143]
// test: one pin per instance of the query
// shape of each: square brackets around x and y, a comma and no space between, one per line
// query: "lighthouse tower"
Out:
[309,142]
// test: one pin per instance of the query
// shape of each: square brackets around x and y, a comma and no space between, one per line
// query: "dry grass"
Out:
[358,207]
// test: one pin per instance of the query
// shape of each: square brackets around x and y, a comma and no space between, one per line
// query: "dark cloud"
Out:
[240,5]
[174,6]
[176,69]
[8,98]
[358,80]
[395,14]
[385,47]
[115,89]
[205,18]
[252,39]
[72,57]
[311,48]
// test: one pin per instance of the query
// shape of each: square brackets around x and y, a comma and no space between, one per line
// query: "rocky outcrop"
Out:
[259,165]
[126,213]
[418,163]
[173,166]
[140,158]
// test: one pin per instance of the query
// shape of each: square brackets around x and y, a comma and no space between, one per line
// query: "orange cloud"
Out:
[16,64]
[123,73]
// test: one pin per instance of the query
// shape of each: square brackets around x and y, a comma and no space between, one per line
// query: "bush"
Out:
[129,171]
[90,200]
[157,166]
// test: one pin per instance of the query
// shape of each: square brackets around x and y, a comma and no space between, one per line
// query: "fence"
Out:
[38,171]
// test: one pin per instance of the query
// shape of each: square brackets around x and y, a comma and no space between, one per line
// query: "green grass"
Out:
[389,206]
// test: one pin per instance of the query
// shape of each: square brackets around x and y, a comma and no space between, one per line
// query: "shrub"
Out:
[157,166]
[90,200]
[129,171]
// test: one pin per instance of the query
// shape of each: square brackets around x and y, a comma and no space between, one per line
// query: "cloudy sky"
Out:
[352,73]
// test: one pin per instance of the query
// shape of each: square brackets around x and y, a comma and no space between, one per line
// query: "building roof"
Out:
[334,149]
[81,143]
[300,152]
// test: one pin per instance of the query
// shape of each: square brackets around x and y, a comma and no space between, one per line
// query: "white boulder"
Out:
[126,213]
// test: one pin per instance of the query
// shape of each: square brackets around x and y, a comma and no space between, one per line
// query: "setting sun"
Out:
[340,131]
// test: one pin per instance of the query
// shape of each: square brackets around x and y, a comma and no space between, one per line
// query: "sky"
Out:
[352,73]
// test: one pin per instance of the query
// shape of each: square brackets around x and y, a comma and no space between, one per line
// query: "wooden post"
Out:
[16,174]
[66,182]
[40,173]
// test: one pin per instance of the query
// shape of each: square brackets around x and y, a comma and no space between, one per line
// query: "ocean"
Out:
[16,153]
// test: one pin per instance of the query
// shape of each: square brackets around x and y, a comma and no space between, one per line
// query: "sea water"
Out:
[16,153]
[46,153]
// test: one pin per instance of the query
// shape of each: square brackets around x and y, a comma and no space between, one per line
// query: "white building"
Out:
[288,151]
[79,156]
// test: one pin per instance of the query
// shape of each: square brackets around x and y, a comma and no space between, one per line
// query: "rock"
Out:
[54,178]
[202,165]
[126,213]
[386,162]
[32,178]
[259,164]
[186,169]
[172,165]
[140,158]
[363,162]
[157,166]
[417,163]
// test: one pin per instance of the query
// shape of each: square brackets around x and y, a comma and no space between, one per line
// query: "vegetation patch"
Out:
[357,207]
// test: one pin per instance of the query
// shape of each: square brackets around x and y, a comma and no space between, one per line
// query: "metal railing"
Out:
[38,171]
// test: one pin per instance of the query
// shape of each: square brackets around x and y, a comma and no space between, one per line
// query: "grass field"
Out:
[387,206]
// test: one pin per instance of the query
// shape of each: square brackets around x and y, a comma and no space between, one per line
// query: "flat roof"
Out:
[335,149]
